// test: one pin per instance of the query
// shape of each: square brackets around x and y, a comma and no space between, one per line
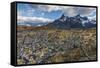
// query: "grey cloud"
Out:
[47,8]
[68,10]
[84,11]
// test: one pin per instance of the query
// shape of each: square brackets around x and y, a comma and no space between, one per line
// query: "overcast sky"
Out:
[48,13]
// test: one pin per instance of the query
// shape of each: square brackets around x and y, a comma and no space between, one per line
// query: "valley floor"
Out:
[54,46]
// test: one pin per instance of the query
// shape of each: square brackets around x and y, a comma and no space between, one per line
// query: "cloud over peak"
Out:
[68,10]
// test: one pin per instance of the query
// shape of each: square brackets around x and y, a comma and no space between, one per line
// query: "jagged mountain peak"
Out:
[77,21]
[78,15]
[62,16]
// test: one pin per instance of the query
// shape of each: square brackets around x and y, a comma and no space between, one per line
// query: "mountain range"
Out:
[65,22]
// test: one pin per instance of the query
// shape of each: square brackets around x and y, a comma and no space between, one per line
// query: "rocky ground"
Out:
[54,46]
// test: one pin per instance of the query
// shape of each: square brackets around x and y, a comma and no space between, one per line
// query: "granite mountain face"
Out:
[65,22]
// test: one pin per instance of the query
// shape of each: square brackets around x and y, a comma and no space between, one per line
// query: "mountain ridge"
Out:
[65,22]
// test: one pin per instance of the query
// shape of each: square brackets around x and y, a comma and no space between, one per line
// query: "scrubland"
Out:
[55,45]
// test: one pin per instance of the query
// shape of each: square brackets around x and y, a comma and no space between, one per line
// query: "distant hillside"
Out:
[31,28]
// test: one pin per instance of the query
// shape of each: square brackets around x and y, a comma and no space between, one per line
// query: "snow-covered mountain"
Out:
[72,22]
